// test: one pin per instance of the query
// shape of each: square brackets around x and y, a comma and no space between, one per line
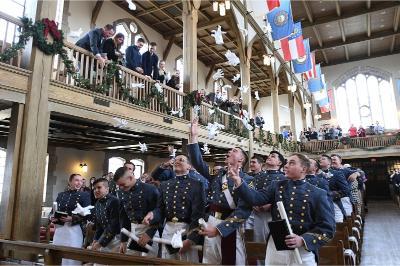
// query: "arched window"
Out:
[139,167]
[132,32]
[2,167]
[365,98]
[114,163]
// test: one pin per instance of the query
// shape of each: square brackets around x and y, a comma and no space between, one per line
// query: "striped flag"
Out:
[312,73]
[271,4]
[315,84]
[324,105]
[293,46]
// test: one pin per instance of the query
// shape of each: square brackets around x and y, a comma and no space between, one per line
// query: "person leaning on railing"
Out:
[93,41]
[133,57]
[112,47]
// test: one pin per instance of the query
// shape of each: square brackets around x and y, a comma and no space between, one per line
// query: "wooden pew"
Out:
[332,254]
[54,254]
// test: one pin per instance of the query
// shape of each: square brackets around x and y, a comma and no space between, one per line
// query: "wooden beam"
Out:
[382,5]
[308,11]
[168,48]
[393,44]
[325,56]
[368,4]
[158,8]
[338,9]
[342,30]
[255,106]
[357,39]
[95,13]
[201,26]
[318,36]
[346,53]
[210,73]
[396,19]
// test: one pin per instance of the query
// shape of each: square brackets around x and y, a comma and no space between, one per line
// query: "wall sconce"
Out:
[268,59]
[317,117]
[84,167]
[307,105]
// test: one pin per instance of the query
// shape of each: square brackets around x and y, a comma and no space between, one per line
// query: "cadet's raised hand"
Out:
[233,173]
[194,130]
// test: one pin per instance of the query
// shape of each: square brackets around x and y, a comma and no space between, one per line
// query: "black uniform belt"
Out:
[220,212]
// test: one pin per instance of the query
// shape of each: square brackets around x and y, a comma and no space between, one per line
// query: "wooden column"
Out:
[32,155]
[10,171]
[189,18]
[291,100]
[275,104]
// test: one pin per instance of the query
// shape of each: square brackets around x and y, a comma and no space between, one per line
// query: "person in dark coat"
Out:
[112,47]
[174,82]
[150,62]
[133,56]
[259,120]
[93,41]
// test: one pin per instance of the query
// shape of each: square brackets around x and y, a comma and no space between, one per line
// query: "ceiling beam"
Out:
[153,9]
[166,13]
[95,13]
[357,39]
[168,48]
[382,5]
[133,144]
[359,58]
[396,19]
[201,26]
[338,9]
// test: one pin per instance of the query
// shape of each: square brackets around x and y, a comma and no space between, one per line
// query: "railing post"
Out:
[51,257]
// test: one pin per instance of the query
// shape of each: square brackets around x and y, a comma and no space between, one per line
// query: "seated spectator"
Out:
[361,132]
[174,82]
[150,62]
[112,47]
[133,56]
[378,129]
[352,131]
[259,120]
[163,75]
[92,41]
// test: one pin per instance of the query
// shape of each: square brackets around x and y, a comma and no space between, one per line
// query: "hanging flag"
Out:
[271,4]
[320,95]
[303,64]
[281,21]
[293,46]
[324,105]
[315,84]
[312,73]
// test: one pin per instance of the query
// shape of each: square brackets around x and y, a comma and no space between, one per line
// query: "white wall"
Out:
[80,15]
[387,63]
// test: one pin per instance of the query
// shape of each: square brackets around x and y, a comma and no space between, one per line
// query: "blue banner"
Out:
[281,21]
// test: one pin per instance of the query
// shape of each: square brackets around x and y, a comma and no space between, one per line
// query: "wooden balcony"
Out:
[376,145]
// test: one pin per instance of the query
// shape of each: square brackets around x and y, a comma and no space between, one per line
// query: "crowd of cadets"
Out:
[316,193]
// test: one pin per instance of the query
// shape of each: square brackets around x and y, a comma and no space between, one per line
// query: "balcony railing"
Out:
[9,31]
[349,143]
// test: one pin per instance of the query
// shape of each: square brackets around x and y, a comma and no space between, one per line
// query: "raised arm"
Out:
[194,152]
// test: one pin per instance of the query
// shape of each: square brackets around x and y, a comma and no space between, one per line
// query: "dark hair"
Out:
[101,180]
[129,162]
[303,159]
[153,44]
[327,156]
[120,173]
[140,40]
[72,177]
[337,155]
[109,27]
[281,158]
[259,159]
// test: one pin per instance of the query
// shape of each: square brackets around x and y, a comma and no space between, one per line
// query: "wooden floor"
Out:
[381,234]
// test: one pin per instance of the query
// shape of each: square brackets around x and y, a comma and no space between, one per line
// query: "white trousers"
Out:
[348,208]
[261,229]
[338,213]
[138,230]
[69,236]
[169,230]
[287,257]
[212,246]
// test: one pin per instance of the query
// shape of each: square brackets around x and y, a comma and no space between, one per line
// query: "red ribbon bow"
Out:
[51,26]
